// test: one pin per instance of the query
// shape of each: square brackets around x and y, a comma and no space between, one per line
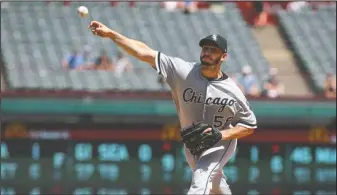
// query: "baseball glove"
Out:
[197,141]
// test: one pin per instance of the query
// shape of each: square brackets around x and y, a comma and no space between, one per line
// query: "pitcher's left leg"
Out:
[220,186]
[203,175]
[209,165]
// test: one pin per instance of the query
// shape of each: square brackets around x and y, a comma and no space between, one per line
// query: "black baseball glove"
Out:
[197,141]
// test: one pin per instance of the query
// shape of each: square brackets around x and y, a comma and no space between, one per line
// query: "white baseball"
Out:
[82,11]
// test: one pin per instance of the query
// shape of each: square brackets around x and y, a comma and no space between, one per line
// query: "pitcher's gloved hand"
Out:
[197,141]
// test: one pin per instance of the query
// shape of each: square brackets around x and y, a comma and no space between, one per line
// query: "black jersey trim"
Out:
[223,77]
[158,67]
[246,124]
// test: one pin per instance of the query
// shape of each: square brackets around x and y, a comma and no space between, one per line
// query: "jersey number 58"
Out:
[219,121]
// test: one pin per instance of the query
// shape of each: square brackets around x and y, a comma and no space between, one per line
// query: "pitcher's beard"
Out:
[208,65]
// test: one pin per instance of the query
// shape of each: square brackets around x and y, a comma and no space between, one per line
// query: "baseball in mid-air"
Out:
[82,11]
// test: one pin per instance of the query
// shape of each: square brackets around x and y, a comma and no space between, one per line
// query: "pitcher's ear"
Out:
[224,56]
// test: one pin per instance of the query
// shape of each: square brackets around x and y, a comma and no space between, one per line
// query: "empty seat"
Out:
[44,34]
[312,34]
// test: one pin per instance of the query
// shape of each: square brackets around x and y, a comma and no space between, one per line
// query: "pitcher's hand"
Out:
[99,29]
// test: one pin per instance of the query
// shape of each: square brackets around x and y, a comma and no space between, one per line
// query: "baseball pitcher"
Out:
[212,110]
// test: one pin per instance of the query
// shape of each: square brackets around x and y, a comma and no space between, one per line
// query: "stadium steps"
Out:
[311,38]
[279,56]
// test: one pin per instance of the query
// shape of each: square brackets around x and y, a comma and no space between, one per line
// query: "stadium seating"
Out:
[36,37]
[312,35]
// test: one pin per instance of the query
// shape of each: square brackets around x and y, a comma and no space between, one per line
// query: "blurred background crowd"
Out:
[281,63]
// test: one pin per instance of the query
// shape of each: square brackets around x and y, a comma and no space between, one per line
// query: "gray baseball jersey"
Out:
[220,103]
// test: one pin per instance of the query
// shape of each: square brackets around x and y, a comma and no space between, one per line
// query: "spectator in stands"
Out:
[248,82]
[87,61]
[103,62]
[330,86]
[115,3]
[76,60]
[122,64]
[297,5]
[189,6]
[261,18]
[169,5]
[273,88]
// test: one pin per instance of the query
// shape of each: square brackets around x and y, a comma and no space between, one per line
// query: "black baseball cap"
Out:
[218,40]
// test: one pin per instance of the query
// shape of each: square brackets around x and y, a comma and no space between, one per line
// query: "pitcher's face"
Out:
[211,55]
